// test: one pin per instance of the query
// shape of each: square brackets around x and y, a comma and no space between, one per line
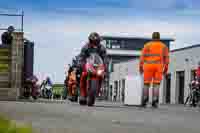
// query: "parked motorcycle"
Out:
[194,95]
[95,72]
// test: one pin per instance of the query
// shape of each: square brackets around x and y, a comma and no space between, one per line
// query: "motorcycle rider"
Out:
[31,82]
[92,46]
[72,84]
[46,82]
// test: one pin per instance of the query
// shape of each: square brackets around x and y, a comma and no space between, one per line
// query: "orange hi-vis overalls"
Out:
[154,61]
[72,83]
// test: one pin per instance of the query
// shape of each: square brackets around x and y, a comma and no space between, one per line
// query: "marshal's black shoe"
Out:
[144,103]
[155,104]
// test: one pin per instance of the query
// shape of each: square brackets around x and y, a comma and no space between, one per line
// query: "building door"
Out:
[181,82]
[123,89]
[119,93]
[115,90]
[168,88]
[111,91]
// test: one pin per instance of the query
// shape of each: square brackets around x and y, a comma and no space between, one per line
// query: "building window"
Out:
[113,46]
[104,43]
[116,46]
[115,90]
[123,44]
[111,67]
[108,46]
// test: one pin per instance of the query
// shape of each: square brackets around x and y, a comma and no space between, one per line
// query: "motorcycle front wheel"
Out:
[26,92]
[92,92]
[49,94]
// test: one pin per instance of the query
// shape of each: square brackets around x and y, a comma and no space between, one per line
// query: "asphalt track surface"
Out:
[66,117]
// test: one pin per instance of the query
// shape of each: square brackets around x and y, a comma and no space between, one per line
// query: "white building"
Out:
[174,87]
[121,49]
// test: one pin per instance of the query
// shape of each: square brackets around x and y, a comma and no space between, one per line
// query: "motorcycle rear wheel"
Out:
[82,102]
[34,97]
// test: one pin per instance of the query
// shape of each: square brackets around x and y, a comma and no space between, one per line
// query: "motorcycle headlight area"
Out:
[99,72]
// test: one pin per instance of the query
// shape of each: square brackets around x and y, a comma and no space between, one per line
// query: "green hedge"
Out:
[8,126]
[58,89]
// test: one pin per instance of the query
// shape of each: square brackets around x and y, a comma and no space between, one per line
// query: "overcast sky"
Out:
[59,29]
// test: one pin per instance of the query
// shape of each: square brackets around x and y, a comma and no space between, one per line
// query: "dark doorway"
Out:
[115,90]
[123,89]
[168,88]
[111,90]
[181,86]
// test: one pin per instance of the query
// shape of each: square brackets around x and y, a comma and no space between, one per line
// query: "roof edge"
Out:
[185,48]
[139,38]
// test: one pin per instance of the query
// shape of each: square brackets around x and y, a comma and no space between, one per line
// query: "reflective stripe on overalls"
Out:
[152,61]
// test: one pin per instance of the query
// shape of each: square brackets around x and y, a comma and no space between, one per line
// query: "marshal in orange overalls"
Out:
[154,61]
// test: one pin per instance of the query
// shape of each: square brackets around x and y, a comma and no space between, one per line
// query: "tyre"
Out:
[49,94]
[26,93]
[64,97]
[194,100]
[73,99]
[43,94]
[92,92]
[34,97]
[76,99]
[76,95]
[70,98]
[82,101]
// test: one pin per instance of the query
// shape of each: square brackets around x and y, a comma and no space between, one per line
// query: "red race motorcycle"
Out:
[95,72]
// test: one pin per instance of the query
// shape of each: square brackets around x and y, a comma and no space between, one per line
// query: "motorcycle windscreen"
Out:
[48,87]
[93,60]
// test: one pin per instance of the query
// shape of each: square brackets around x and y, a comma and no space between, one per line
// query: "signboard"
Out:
[133,90]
